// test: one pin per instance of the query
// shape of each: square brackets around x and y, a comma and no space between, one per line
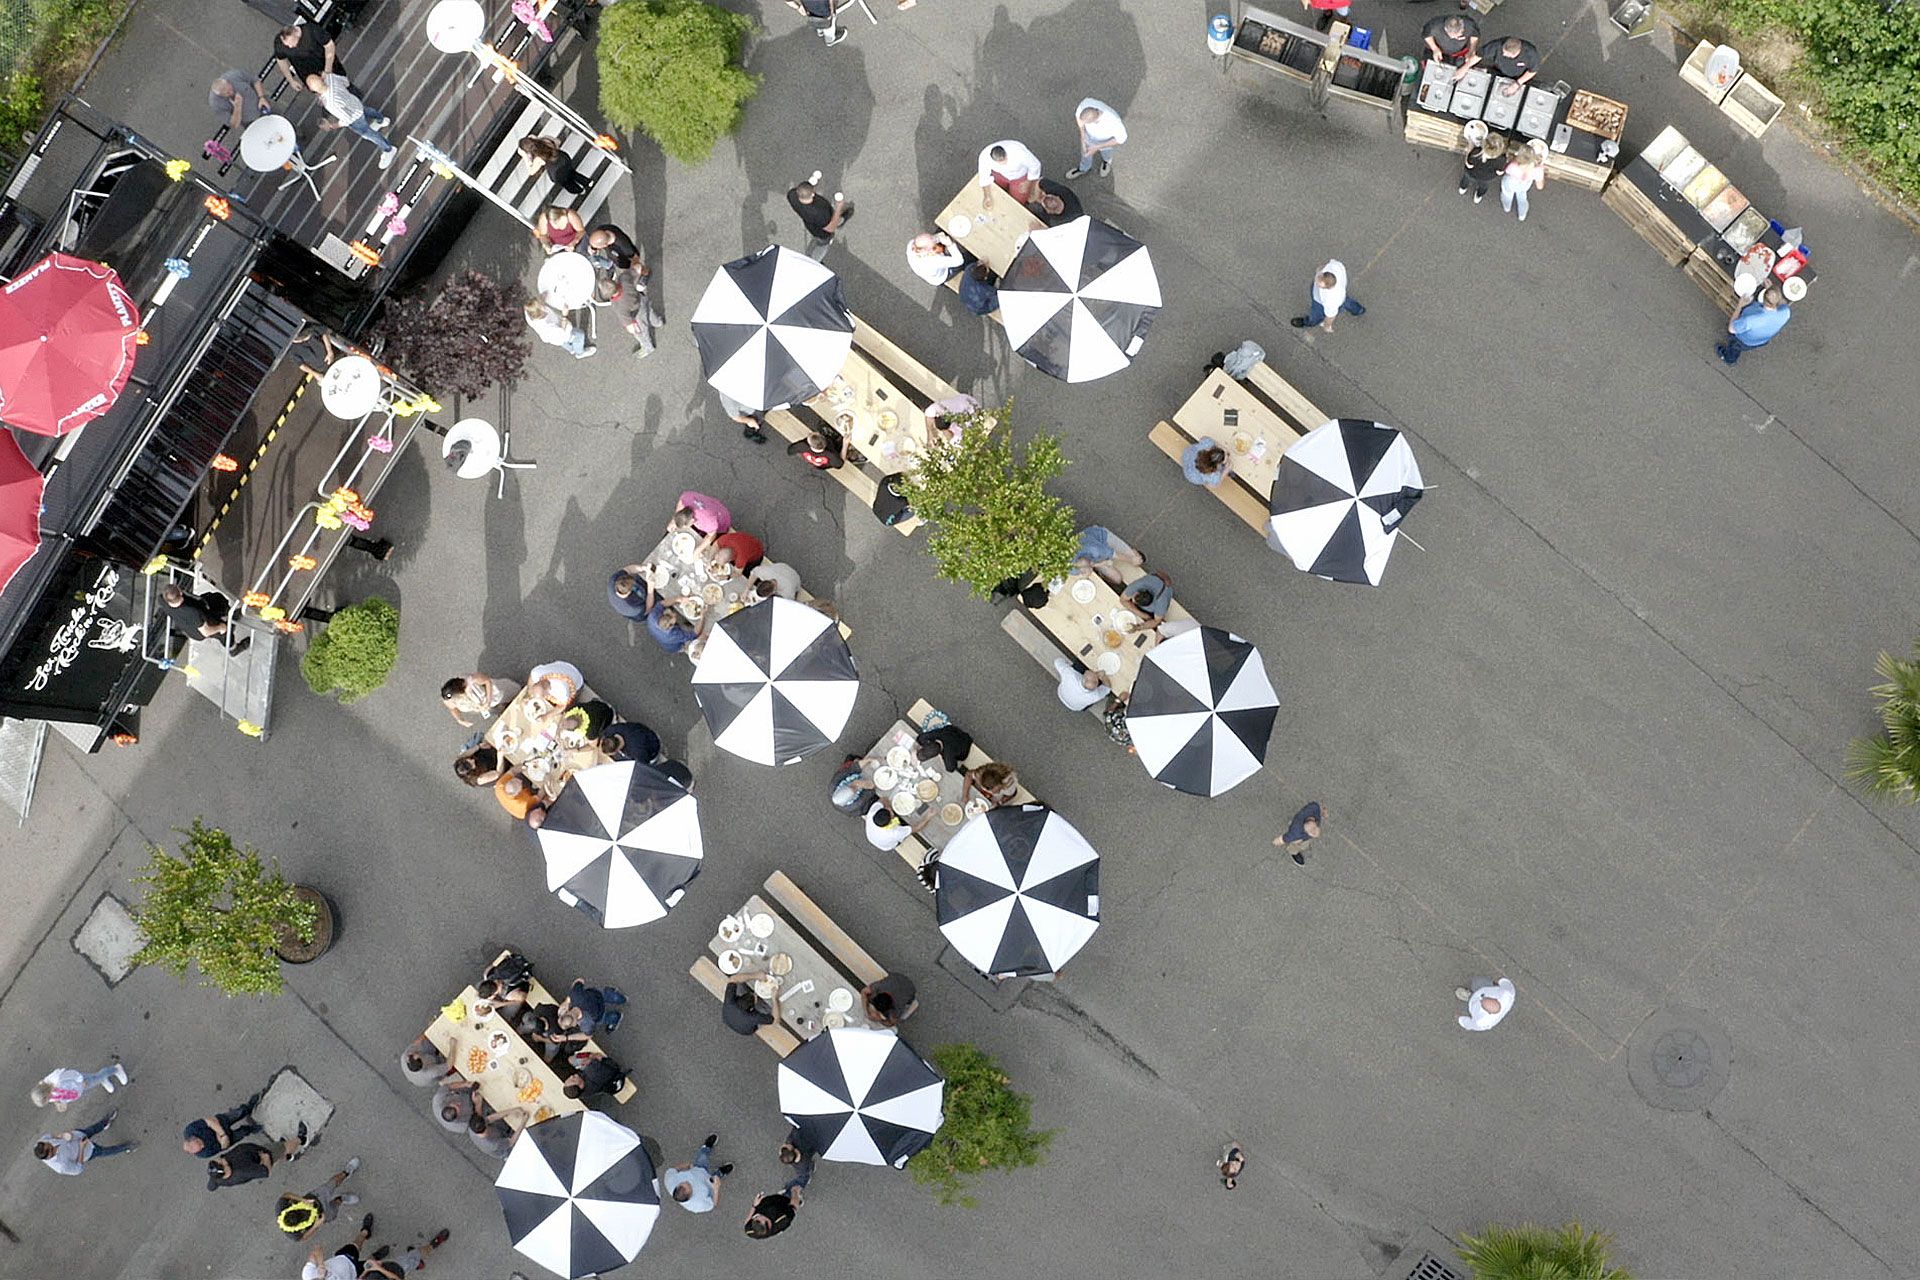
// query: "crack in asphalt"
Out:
[1046,998]
[1802,1196]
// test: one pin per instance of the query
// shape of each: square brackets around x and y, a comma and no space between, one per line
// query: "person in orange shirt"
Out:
[519,797]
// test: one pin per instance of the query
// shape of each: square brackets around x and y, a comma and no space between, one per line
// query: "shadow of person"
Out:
[812,99]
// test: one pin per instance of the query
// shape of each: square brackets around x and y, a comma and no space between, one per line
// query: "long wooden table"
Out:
[914,849]
[1080,630]
[821,950]
[879,378]
[533,746]
[1272,414]
[996,234]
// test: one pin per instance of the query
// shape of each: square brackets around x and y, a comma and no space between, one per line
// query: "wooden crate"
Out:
[1713,280]
[1576,172]
[1653,226]
[1425,129]
[1751,105]
[1694,72]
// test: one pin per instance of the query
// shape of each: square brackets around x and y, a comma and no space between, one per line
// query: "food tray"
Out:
[1661,151]
[1683,168]
[1724,208]
[1746,230]
[1595,114]
[1706,184]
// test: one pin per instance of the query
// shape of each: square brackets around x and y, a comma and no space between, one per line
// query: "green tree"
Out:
[993,517]
[1539,1253]
[352,655]
[219,907]
[670,68]
[987,1126]
[1889,765]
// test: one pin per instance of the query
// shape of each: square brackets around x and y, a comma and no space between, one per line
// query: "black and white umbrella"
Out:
[1077,299]
[1339,496]
[772,328]
[860,1094]
[578,1194]
[1201,711]
[1018,891]
[622,843]
[775,681]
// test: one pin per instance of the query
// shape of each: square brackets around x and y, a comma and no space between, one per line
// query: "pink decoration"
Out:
[356,522]
[525,11]
[389,206]
[379,444]
[396,226]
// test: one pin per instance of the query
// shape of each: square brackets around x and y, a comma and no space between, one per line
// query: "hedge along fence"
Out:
[1854,63]
[44,46]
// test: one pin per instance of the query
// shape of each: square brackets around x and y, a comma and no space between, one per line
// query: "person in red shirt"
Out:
[823,449]
[741,550]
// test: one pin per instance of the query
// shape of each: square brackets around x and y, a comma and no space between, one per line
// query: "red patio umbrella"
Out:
[67,338]
[20,487]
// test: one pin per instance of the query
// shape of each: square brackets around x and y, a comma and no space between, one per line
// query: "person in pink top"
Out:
[64,1086]
[707,516]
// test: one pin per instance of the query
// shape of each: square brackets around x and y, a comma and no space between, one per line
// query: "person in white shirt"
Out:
[64,1086]
[344,1262]
[350,113]
[934,256]
[886,830]
[1078,689]
[1011,166]
[1101,130]
[555,329]
[771,577]
[1487,1003]
[1329,297]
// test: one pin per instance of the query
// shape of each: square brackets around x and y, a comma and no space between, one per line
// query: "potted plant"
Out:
[218,906]
[986,1126]
[993,517]
[670,68]
[462,337]
[1889,765]
[1539,1253]
[352,655]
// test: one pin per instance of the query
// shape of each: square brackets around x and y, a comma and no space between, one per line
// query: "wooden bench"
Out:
[803,911]
[773,1035]
[913,850]
[1268,406]
[1239,499]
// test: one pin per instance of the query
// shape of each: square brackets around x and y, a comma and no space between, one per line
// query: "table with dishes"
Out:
[1255,419]
[483,1047]
[993,235]
[676,568]
[760,944]
[528,735]
[1086,617]
[910,785]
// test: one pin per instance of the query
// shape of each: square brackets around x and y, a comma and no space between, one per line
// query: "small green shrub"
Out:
[992,515]
[987,1126]
[1889,764]
[670,68]
[219,907]
[1539,1253]
[22,109]
[352,655]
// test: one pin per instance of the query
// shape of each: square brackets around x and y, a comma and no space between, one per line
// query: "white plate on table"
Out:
[1108,662]
[731,929]
[960,225]
[761,925]
[885,777]
[900,758]
[839,999]
[683,544]
[904,801]
[658,576]
[766,988]
[731,962]
[1125,619]
[1083,590]
[975,807]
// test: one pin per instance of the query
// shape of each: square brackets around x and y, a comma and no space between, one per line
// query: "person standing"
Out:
[695,1186]
[556,330]
[69,1152]
[1453,38]
[1486,159]
[1525,172]
[299,1216]
[227,99]
[544,156]
[1101,132]
[819,13]
[64,1086]
[343,1263]
[1010,165]
[214,1135]
[1328,297]
[752,426]
[382,1267]
[773,1212]
[304,50]
[475,695]
[1507,57]
[349,112]
[250,1162]
[1302,831]
[191,615]
[1233,1160]
[1487,1002]
[1756,324]
[821,218]
[591,1009]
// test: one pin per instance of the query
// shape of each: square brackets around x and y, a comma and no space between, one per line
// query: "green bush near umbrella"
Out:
[1540,1253]
[1889,765]
[986,1126]
[351,657]
[217,906]
[670,68]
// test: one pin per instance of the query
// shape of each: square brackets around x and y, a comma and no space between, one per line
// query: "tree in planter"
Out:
[1540,1253]
[670,68]
[993,517]
[460,338]
[352,655]
[1889,765]
[218,907]
[987,1126]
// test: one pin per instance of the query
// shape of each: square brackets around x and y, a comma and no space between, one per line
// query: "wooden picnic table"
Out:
[993,235]
[936,833]
[675,570]
[1272,415]
[822,953]
[532,744]
[1083,630]
[495,1083]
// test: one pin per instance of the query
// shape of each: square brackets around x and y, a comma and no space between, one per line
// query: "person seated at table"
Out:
[1011,166]
[423,1064]
[595,1074]
[591,1009]
[1055,203]
[453,1103]
[1205,463]
[544,156]
[980,290]
[516,795]
[624,592]
[996,783]
[631,740]
[1106,553]
[821,449]
[584,722]
[1078,688]
[744,1011]
[479,767]
[671,629]
[887,830]
[507,980]
[943,415]
[1454,37]
[1506,56]
[849,790]
[948,741]
[475,695]
[1150,593]
[772,578]
[890,1001]
[934,256]
[558,230]
[540,1024]
[494,1131]
[706,516]
[741,551]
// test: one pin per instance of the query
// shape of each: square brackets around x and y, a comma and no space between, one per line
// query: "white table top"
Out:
[454,25]
[351,387]
[567,280]
[268,143]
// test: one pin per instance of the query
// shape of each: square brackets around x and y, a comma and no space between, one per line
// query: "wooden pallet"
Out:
[1713,280]
[1644,216]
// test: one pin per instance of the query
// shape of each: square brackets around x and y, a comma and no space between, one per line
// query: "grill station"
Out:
[1335,61]
[1582,130]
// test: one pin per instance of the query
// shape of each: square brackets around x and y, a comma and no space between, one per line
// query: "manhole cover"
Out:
[1679,1059]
